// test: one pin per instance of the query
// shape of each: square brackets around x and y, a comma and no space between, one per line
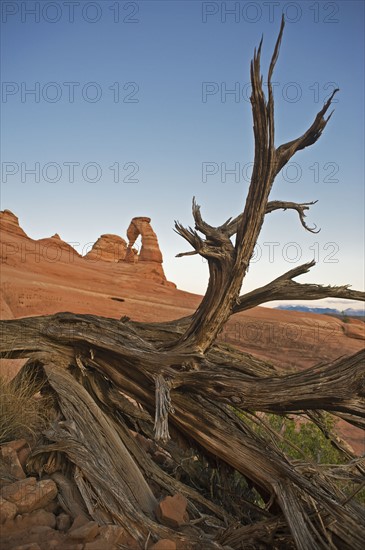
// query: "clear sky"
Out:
[126,109]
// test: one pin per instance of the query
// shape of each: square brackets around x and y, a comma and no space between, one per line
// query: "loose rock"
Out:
[23,455]
[8,510]
[11,458]
[29,495]
[63,522]
[79,520]
[85,533]
[112,534]
[164,544]
[171,511]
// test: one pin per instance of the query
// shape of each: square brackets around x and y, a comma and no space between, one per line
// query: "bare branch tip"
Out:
[329,116]
[182,254]
[282,25]
[275,54]
[305,268]
[328,103]
[314,229]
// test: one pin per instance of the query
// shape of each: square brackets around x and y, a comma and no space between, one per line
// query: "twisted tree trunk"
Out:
[108,377]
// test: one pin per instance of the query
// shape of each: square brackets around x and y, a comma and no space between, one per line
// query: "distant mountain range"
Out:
[350,312]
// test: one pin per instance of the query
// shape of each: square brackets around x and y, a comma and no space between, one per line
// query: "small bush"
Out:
[299,440]
[304,440]
[23,411]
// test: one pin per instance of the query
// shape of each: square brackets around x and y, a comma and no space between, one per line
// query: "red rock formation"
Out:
[54,248]
[109,248]
[131,255]
[9,223]
[17,247]
[150,251]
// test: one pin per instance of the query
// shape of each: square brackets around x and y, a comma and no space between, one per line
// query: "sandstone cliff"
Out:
[113,248]
[108,247]
[19,249]
[9,224]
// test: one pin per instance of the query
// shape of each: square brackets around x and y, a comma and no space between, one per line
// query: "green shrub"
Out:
[304,440]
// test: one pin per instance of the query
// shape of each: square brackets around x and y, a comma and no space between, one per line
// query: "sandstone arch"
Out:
[150,250]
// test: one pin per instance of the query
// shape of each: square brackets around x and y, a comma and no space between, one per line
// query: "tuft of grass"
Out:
[23,411]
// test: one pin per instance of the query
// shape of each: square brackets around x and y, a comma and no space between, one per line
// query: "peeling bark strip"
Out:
[108,377]
[163,407]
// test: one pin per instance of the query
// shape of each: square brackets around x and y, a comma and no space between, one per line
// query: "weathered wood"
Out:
[284,288]
[108,377]
[195,396]
[336,387]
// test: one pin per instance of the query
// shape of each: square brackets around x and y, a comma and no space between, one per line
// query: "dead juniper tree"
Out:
[176,383]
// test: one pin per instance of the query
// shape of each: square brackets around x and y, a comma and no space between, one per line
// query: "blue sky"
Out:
[144,87]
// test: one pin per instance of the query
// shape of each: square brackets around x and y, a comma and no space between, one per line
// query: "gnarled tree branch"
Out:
[299,207]
[284,288]
[286,151]
[232,225]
